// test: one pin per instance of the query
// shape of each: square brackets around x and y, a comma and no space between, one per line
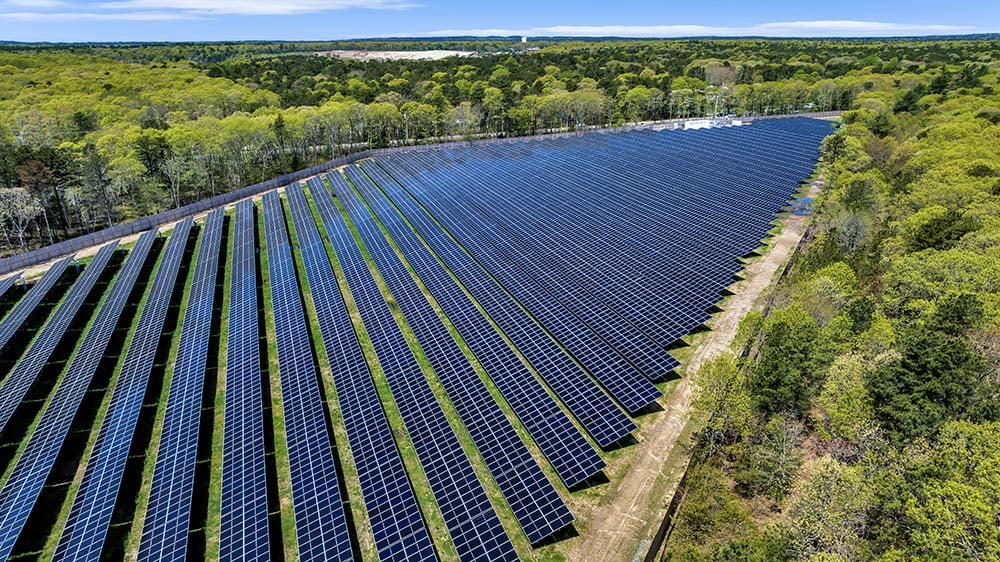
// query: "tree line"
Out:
[863,423]
[94,135]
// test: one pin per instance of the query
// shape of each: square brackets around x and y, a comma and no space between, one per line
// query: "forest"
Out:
[861,421]
[93,135]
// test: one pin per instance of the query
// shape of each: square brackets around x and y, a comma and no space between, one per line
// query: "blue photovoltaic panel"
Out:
[7,283]
[632,390]
[94,502]
[535,503]
[12,322]
[474,527]
[596,412]
[168,513]
[244,532]
[15,387]
[35,463]
[393,512]
[573,458]
[651,359]
[320,522]
[648,224]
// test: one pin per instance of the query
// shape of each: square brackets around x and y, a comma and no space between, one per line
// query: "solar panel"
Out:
[647,356]
[566,449]
[595,411]
[168,513]
[17,384]
[13,321]
[632,390]
[320,523]
[7,283]
[35,463]
[244,530]
[648,224]
[90,515]
[535,503]
[474,526]
[393,511]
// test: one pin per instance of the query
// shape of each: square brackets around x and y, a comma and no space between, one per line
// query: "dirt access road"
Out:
[620,527]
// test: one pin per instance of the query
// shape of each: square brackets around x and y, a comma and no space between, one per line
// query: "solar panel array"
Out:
[474,527]
[320,522]
[393,511]
[93,504]
[573,458]
[17,384]
[244,527]
[13,321]
[535,503]
[619,378]
[168,513]
[21,489]
[648,224]
[595,411]
[543,282]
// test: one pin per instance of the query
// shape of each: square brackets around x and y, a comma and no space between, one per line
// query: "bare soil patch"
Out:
[395,55]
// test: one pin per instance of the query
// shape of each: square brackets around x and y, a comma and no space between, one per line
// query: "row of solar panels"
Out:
[566,269]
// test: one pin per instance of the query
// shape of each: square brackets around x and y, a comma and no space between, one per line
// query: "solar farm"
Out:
[427,355]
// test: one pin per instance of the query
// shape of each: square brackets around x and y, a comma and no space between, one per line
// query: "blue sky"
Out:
[190,20]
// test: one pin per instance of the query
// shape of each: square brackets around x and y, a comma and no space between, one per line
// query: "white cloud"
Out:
[160,10]
[94,16]
[254,7]
[34,4]
[823,28]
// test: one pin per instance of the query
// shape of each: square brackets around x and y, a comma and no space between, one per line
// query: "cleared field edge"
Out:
[700,347]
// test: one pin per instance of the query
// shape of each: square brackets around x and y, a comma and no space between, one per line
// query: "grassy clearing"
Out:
[418,479]
[103,286]
[524,361]
[504,513]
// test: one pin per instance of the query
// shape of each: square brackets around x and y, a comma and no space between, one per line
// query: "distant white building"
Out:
[524,39]
[698,124]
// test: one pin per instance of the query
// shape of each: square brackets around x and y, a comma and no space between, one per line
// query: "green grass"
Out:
[352,483]
[433,518]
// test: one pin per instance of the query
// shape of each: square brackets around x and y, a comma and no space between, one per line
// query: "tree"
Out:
[19,209]
[768,461]
[952,507]
[828,511]
[722,403]
[932,381]
[844,407]
[779,380]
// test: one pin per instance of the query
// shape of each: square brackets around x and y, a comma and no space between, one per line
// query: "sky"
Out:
[204,20]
